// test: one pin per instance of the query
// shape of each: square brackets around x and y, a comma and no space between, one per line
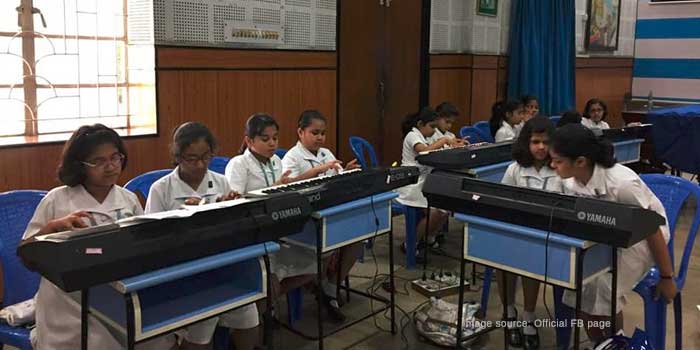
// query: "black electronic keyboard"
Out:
[596,220]
[467,157]
[75,260]
[624,134]
[327,191]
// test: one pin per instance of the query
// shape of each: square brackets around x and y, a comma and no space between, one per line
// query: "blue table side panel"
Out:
[519,252]
[492,172]
[173,301]
[627,151]
[176,272]
[349,224]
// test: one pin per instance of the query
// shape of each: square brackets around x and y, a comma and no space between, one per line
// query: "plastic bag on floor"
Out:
[437,321]
[639,341]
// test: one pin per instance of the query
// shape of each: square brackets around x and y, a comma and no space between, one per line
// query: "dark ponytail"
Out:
[308,116]
[426,115]
[255,125]
[575,140]
[499,112]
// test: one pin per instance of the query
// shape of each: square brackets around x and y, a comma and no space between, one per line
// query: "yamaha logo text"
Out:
[286,213]
[597,218]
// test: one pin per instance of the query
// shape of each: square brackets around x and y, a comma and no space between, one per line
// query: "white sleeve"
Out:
[135,203]
[43,213]
[155,202]
[634,193]
[412,140]
[291,163]
[502,135]
[509,176]
[604,125]
[237,174]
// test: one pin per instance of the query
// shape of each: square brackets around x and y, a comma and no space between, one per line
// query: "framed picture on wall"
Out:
[603,26]
[487,7]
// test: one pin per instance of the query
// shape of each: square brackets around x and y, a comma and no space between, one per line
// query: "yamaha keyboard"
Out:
[467,157]
[79,259]
[327,191]
[601,221]
[624,134]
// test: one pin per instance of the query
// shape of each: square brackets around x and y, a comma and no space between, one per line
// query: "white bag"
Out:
[437,321]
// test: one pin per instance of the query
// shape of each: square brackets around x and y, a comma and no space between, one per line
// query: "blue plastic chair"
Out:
[280,152]
[555,119]
[472,134]
[485,130]
[361,148]
[142,184]
[673,192]
[218,164]
[16,210]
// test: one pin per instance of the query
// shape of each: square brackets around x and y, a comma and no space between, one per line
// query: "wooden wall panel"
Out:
[452,85]
[220,93]
[605,78]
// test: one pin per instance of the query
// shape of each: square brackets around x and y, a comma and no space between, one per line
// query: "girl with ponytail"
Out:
[588,169]
[506,120]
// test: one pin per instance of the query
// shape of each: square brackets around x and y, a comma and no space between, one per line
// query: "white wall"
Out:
[455,28]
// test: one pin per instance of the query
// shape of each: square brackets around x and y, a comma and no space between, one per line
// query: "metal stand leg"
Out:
[579,287]
[130,324]
[84,309]
[506,330]
[268,330]
[460,302]
[613,296]
[392,286]
[319,280]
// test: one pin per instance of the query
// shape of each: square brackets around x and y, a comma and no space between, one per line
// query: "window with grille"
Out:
[67,63]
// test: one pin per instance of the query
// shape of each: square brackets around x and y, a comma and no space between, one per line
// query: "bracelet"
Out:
[667,277]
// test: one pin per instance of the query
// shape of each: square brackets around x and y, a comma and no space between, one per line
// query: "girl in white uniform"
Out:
[588,168]
[530,169]
[447,113]
[190,183]
[259,167]
[506,119]
[531,107]
[308,159]
[594,114]
[91,163]
[418,130]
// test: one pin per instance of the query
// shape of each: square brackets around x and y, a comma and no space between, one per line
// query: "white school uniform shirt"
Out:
[589,123]
[300,160]
[412,195]
[507,132]
[246,173]
[618,184]
[170,193]
[544,179]
[439,134]
[57,313]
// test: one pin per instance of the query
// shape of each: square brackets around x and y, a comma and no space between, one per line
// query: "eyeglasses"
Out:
[206,158]
[116,159]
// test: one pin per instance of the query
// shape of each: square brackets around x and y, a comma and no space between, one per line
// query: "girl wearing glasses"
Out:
[91,163]
[191,183]
[594,114]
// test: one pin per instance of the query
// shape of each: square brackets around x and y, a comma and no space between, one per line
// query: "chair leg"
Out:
[295,304]
[678,321]
[411,236]
[485,289]
[347,290]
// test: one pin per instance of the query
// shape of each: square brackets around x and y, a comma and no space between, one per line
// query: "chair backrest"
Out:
[472,134]
[360,148]
[280,152]
[485,129]
[218,164]
[555,119]
[16,210]
[673,192]
[142,183]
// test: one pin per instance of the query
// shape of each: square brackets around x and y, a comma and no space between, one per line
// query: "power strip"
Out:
[438,286]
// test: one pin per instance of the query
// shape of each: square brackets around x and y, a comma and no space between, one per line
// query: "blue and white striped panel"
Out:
[667,52]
